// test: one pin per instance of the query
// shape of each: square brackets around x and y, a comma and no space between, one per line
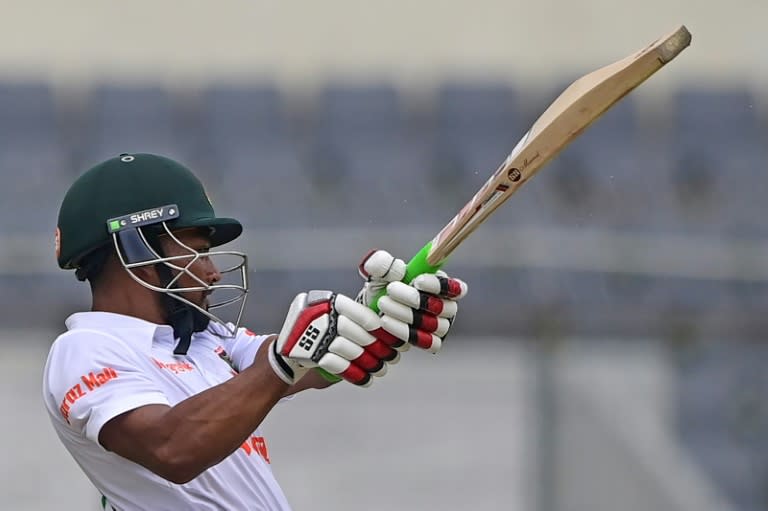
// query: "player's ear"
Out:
[147,273]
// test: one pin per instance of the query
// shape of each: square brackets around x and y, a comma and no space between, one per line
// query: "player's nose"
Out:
[212,273]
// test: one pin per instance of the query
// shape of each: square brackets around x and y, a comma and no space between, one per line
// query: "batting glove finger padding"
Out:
[420,338]
[440,285]
[381,265]
[378,268]
[412,298]
[411,316]
[421,313]
[357,355]
[335,333]
[342,367]
[364,326]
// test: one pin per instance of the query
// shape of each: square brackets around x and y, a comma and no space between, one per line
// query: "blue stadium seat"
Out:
[567,302]
[501,306]
[603,178]
[360,110]
[253,156]
[698,304]
[35,174]
[369,160]
[236,116]
[124,119]
[719,162]
[29,122]
[480,112]
[594,303]
[28,111]
[34,166]
[704,115]
[750,297]
[267,189]
[476,125]
[273,291]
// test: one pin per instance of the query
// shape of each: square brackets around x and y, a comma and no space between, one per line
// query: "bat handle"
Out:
[415,267]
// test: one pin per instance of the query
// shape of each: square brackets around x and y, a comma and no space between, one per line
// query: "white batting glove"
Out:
[419,313]
[378,268]
[333,332]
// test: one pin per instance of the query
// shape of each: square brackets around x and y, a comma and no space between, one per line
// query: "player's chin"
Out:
[198,299]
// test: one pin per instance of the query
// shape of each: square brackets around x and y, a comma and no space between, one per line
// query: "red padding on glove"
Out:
[354,374]
[433,305]
[452,288]
[421,339]
[368,362]
[386,337]
[426,322]
[380,349]
[308,315]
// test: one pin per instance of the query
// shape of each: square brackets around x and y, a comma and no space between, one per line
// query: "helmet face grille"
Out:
[226,296]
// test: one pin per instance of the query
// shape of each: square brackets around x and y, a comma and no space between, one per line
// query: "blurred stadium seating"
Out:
[365,147]
[365,157]
[718,159]
[252,156]
[119,117]
[35,166]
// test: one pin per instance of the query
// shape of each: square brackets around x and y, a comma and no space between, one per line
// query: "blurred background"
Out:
[611,353]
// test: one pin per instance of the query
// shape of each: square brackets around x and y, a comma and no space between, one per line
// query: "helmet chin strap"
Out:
[184,318]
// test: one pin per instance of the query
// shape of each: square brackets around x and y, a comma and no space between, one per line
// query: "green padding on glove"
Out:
[328,376]
[415,267]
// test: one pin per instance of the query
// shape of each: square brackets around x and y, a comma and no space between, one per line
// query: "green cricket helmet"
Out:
[129,200]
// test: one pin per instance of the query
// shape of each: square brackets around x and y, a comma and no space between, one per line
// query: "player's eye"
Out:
[204,253]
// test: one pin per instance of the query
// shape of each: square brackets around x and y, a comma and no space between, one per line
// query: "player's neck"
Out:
[130,300]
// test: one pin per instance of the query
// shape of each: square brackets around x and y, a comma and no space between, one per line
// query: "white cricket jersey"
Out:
[107,364]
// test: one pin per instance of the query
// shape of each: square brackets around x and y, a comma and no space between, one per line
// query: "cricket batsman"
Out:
[157,397]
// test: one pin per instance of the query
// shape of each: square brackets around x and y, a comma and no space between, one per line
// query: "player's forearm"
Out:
[201,431]
[312,380]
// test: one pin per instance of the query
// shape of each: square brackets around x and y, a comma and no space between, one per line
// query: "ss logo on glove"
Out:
[309,337]
[333,332]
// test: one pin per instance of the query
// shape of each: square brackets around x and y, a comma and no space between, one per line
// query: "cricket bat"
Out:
[579,105]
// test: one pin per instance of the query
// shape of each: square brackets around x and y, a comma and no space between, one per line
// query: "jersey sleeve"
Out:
[91,378]
[242,347]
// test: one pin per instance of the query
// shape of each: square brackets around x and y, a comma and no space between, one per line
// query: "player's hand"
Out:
[333,332]
[419,313]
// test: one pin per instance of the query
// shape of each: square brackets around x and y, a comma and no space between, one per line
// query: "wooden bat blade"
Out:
[582,102]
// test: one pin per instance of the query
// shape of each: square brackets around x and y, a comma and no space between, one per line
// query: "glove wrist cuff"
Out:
[283,368]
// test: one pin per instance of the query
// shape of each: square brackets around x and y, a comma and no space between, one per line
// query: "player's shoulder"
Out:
[80,351]
[229,331]
[84,338]
[86,344]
